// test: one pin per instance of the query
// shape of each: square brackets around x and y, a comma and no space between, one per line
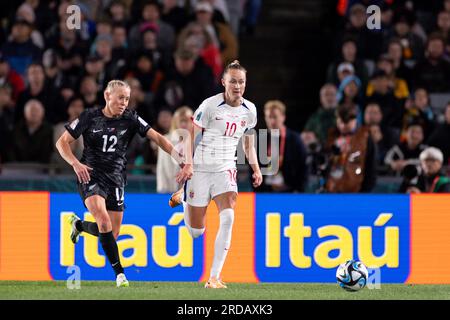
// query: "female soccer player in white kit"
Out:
[221,120]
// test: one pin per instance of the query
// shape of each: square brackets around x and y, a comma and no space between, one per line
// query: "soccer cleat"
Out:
[215,284]
[74,234]
[176,199]
[122,281]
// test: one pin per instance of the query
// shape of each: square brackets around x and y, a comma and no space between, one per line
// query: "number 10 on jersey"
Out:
[231,129]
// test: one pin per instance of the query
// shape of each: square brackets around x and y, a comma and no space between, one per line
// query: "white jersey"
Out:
[223,126]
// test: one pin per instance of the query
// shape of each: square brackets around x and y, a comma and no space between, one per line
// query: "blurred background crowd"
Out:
[383,96]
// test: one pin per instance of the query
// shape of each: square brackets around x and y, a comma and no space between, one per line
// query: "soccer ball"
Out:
[352,275]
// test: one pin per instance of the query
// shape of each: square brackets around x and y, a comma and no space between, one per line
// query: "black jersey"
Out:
[106,141]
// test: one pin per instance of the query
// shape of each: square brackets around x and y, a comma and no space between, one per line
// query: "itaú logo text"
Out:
[135,241]
[300,235]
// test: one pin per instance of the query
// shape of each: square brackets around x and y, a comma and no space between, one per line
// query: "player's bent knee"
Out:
[196,232]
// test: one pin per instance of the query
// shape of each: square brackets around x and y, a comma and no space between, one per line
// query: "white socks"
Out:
[195,233]
[223,241]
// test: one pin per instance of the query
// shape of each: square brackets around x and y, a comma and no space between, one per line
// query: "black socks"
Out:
[86,226]
[109,245]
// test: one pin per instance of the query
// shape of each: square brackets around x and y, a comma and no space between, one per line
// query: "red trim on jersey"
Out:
[192,118]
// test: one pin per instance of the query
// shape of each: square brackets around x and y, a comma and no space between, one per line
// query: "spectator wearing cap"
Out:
[352,160]
[369,42]
[406,152]
[220,33]
[349,93]
[9,77]
[151,13]
[413,45]
[440,137]
[221,13]
[19,50]
[344,70]
[174,15]
[429,178]
[324,117]
[383,95]
[189,82]
[398,85]
[40,89]
[95,67]
[33,136]
[433,72]
[349,58]
[26,12]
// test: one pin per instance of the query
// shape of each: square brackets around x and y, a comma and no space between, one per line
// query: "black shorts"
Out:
[114,196]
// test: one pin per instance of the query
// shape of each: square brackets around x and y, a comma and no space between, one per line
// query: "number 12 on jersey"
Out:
[231,129]
[112,139]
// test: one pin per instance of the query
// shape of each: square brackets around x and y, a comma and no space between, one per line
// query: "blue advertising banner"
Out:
[303,238]
[154,244]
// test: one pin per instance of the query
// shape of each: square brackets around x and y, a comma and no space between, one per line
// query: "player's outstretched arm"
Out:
[187,170]
[250,153]
[63,146]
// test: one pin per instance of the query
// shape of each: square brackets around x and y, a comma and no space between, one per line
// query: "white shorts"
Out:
[204,186]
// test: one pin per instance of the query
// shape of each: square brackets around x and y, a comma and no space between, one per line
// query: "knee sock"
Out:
[195,232]
[223,241]
[109,245]
[86,226]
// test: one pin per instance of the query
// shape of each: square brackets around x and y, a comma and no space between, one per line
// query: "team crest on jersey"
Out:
[191,194]
[243,123]
[111,129]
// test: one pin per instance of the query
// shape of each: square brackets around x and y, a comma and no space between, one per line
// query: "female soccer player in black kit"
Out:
[101,172]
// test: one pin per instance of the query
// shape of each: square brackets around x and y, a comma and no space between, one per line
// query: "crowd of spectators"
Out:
[171,52]
[388,75]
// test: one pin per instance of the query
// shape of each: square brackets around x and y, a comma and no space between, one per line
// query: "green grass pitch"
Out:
[54,290]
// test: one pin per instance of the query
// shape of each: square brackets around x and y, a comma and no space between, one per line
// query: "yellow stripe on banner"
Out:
[240,263]
[24,236]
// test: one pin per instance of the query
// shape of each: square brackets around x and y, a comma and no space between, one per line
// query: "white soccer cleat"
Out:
[74,233]
[122,281]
